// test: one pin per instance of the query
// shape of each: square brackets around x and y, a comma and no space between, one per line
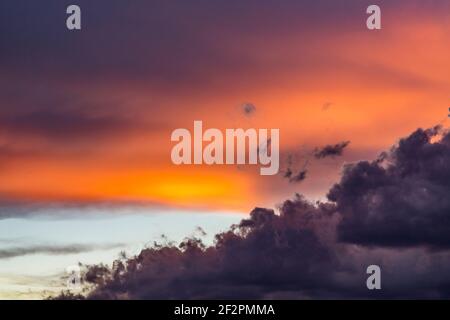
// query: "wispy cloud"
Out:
[331,150]
[13,252]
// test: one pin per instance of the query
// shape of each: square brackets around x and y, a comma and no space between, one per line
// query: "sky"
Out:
[36,252]
[86,116]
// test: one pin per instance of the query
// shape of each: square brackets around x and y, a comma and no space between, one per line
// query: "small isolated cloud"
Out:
[248,108]
[300,176]
[289,173]
[331,150]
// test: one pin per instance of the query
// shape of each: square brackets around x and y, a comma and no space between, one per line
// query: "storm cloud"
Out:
[401,198]
[379,213]
[264,254]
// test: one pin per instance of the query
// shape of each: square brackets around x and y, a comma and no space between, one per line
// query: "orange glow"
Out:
[379,87]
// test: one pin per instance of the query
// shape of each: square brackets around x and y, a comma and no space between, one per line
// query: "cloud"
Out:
[14,252]
[289,172]
[397,200]
[331,150]
[293,254]
[61,210]
[401,198]
[248,108]
[300,176]
[262,255]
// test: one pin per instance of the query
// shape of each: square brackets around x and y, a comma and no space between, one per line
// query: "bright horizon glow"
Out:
[32,275]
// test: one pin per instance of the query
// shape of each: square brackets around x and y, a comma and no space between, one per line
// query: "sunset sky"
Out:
[86,116]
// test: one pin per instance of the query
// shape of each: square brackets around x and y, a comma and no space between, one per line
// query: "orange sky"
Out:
[377,85]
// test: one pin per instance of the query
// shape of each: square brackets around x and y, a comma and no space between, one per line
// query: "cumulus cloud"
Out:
[387,212]
[263,255]
[401,198]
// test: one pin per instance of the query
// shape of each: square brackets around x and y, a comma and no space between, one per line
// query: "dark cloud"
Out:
[289,172]
[261,256]
[331,150]
[401,198]
[300,176]
[248,108]
[293,254]
[13,252]
[398,200]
